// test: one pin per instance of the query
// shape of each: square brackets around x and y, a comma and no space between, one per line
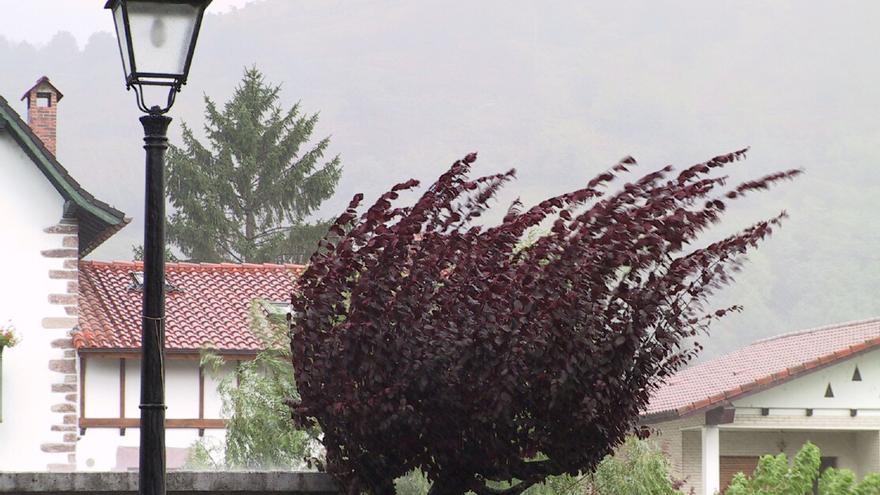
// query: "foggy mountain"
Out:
[560,91]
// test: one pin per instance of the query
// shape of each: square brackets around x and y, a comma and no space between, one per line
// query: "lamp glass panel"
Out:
[161,34]
[122,36]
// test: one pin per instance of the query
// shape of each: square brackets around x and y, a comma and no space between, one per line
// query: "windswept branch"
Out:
[426,341]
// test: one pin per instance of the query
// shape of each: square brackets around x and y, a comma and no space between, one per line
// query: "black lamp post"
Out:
[156,40]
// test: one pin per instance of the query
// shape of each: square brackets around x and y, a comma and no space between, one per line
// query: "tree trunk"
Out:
[449,485]
[250,225]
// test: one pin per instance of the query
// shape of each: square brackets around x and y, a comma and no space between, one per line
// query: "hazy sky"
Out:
[36,21]
[559,89]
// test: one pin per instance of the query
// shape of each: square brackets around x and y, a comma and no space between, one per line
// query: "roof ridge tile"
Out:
[832,326]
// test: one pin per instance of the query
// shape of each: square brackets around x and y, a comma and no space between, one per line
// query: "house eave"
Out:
[182,354]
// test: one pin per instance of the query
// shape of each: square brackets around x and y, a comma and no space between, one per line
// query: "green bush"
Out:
[637,467]
[259,432]
[843,482]
[416,483]
[774,476]
[869,486]
[837,481]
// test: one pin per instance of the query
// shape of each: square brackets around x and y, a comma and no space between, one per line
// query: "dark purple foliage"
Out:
[425,341]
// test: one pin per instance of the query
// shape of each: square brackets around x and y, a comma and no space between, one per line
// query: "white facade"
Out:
[48,222]
[104,398]
[64,410]
[29,205]
[809,391]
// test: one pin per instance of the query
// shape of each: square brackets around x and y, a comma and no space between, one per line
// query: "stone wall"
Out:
[64,259]
[203,483]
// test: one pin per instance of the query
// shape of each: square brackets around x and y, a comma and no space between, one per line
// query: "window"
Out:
[44,100]
[137,283]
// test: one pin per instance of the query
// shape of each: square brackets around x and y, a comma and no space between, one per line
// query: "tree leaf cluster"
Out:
[137,254]
[423,340]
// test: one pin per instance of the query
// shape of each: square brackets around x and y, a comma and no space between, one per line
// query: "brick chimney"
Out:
[42,101]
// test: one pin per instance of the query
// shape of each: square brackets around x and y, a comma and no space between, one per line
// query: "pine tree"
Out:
[246,196]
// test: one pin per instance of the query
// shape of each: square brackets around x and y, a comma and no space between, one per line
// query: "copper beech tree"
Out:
[423,340]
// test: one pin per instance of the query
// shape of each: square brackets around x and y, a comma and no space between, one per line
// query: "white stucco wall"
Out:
[182,389]
[28,204]
[97,447]
[868,452]
[213,401]
[102,388]
[808,391]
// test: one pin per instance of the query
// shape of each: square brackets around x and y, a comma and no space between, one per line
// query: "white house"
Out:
[823,385]
[207,306]
[48,222]
[70,390]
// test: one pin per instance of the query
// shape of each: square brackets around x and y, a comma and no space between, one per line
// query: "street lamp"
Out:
[156,41]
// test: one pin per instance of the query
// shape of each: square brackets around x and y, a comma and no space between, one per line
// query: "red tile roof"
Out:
[761,365]
[210,307]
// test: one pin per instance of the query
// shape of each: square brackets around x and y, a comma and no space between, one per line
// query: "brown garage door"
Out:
[732,464]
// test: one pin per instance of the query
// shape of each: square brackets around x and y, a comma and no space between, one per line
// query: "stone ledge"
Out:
[60,253]
[63,408]
[63,299]
[63,365]
[59,322]
[63,274]
[214,483]
[63,387]
[57,447]
[62,343]
[62,228]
